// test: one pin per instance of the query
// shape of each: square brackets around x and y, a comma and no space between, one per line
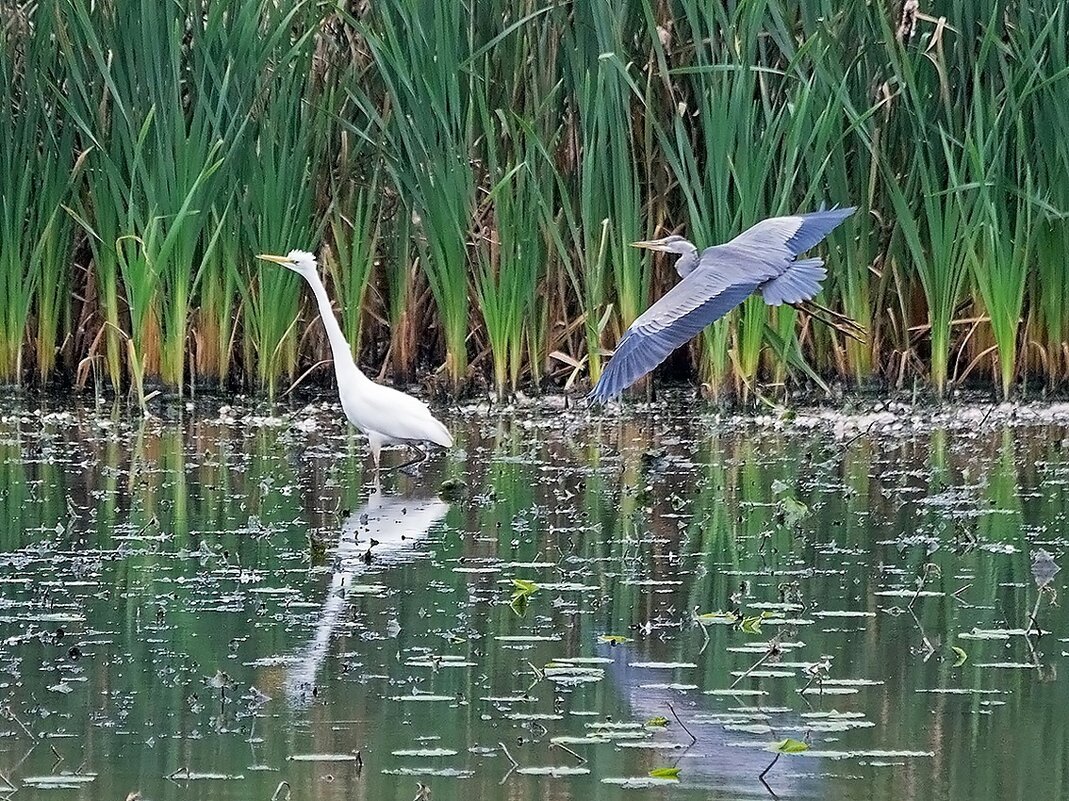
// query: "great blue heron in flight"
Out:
[762,259]
[385,415]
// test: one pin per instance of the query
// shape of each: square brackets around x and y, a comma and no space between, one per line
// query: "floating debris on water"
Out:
[240,587]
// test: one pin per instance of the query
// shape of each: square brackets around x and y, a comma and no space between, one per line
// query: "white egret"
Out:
[385,415]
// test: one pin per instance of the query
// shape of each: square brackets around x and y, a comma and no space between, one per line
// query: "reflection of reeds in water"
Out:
[384,531]
[472,181]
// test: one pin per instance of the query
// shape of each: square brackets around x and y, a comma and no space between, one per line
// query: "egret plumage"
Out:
[385,415]
[763,259]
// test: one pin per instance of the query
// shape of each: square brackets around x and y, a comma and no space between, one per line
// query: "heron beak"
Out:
[651,244]
[282,260]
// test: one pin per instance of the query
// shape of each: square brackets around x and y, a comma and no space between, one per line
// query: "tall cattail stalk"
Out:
[472,176]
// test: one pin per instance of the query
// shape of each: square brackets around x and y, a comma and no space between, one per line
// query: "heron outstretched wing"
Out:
[782,239]
[725,276]
[701,298]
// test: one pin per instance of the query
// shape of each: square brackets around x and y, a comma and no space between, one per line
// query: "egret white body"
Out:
[385,415]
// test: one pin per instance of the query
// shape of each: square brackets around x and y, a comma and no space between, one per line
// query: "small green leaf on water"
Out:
[519,603]
[664,773]
[712,617]
[961,655]
[613,639]
[752,625]
[522,594]
[524,586]
[792,511]
[658,722]
[788,746]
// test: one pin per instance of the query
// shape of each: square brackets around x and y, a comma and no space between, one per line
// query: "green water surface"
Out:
[221,606]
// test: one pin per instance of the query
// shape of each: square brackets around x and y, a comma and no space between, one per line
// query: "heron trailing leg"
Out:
[846,326]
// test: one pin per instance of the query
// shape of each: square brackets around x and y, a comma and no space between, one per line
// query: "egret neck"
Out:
[344,364]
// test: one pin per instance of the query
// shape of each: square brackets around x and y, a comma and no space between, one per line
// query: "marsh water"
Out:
[217,603]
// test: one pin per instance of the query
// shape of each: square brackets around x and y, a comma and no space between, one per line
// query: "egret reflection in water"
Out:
[386,530]
[157,605]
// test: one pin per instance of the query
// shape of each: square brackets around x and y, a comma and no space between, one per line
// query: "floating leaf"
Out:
[554,771]
[1043,568]
[424,752]
[716,617]
[665,773]
[659,722]
[324,757]
[519,603]
[791,511]
[960,653]
[613,639]
[522,594]
[524,586]
[787,746]
[751,625]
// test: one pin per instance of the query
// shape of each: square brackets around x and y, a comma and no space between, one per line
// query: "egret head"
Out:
[669,244]
[300,261]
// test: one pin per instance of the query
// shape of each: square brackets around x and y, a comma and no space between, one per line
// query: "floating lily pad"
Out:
[423,698]
[555,771]
[639,782]
[60,781]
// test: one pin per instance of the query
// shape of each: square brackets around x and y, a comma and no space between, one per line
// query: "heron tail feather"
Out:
[800,281]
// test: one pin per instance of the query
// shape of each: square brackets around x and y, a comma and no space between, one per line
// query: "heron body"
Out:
[384,415]
[762,259]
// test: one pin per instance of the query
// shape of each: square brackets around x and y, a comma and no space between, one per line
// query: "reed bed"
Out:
[471,175]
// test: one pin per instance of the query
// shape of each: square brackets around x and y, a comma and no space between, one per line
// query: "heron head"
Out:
[300,261]
[669,244]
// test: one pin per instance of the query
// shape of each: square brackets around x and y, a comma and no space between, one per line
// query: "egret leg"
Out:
[415,461]
[376,452]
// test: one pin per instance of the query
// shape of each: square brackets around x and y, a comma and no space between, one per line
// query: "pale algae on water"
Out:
[213,604]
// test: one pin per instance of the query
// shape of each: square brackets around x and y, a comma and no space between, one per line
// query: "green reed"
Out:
[426,126]
[154,164]
[277,211]
[354,230]
[472,177]
[511,260]
[37,169]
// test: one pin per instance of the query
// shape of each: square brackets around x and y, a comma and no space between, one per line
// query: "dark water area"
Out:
[223,605]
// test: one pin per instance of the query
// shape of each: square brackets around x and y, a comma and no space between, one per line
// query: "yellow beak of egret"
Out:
[282,260]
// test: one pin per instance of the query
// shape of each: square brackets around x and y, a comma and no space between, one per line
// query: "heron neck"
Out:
[344,364]
[686,262]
